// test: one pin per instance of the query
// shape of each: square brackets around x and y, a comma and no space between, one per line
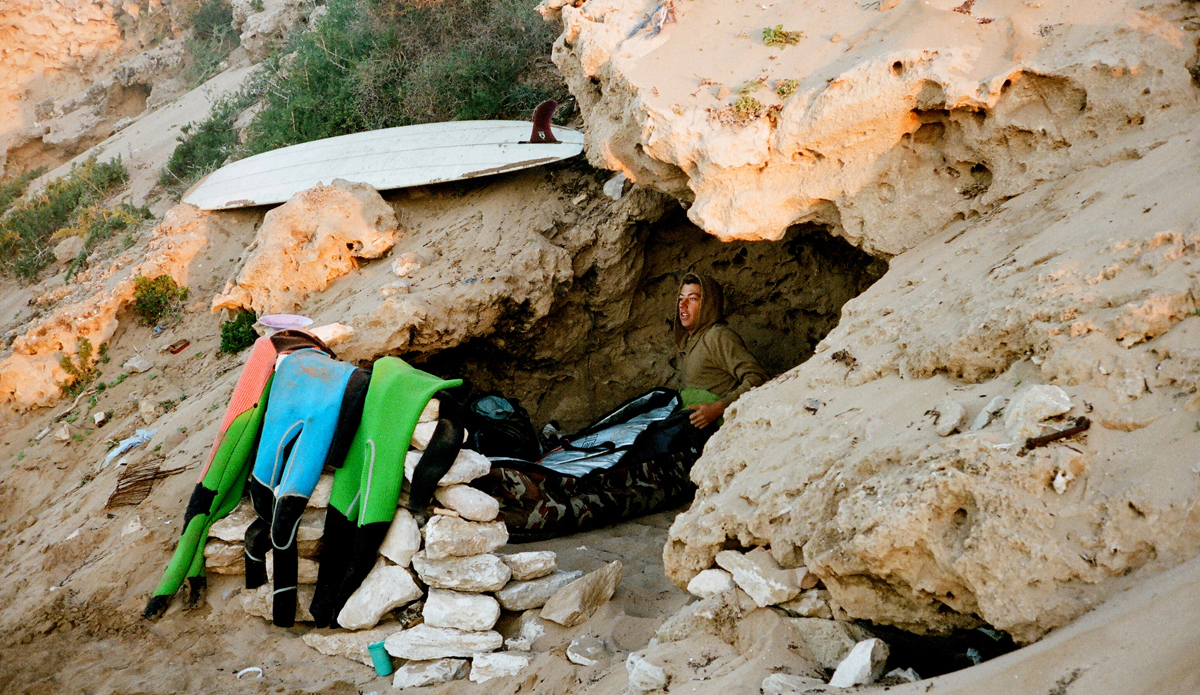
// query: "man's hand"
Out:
[704,415]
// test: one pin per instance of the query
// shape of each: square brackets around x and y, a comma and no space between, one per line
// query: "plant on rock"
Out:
[158,299]
[82,370]
[238,333]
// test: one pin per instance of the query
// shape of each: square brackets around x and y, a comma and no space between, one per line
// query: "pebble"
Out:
[950,419]
[643,675]
[138,364]
[710,582]
[587,651]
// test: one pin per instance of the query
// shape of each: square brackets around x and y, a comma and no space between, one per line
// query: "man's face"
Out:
[689,307]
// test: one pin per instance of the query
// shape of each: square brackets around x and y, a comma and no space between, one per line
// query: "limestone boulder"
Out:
[485,667]
[467,466]
[350,644]
[829,640]
[577,601]
[308,242]
[462,611]
[1023,417]
[419,674]
[386,587]
[450,537]
[533,593]
[759,575]
[260,602]
[476,573]
[471,504]
[531,564]
[224,558]
[424,643]
[710,582]
[403,538]
[864,664]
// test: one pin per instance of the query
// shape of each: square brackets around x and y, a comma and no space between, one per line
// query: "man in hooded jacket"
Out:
[715,368]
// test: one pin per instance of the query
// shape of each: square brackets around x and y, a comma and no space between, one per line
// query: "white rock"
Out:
[394,288]
[759,575]
[467,466]
[403,538]
[63,433]
[306,569]
[449,537]
[425,642]
[138,364]
[477,573]
[386,587]
[906,674]
[1061,480]
[531,564]
[99,418]
[787,684]
[333,333]
[829,640]
[1023,417]
[643,675]
[148,409]
[408,262]
[232,528]
[577,601]
[615,187]
[472,504]
[951,416]
[259,602]
[989,411]
[224,558]
[587,651]
[320,496]
[521,596]
[864,664]
[531,627]
[421,436]
[710,583]
[485,667]
[430,412]
[68,249]
[810,604]
[351,645]
[468,612]
[418,674]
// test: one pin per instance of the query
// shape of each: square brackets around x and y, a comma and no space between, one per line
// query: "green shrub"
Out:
[157,299]
[205,146]
[97,224]
[212,39]
[28,228]
[238,334]
[11,189]
[81,371]
[778,36]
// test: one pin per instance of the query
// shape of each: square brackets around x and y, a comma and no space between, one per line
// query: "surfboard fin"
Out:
[541,123]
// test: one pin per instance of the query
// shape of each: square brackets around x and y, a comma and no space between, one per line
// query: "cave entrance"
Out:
[599,348]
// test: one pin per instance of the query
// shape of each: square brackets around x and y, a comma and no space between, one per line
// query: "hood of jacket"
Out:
[712,307]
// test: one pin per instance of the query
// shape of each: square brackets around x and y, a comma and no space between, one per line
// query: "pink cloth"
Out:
[258,370]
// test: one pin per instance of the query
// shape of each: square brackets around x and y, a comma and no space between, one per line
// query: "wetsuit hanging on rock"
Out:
[316,403]
[715,368]
[223,477]
[366,488]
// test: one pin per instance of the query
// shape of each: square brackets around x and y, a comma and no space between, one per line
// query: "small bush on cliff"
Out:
[238,334]
[778,36]
[82,370]
[157,299]
[212,39]
[28,228]
[11,189]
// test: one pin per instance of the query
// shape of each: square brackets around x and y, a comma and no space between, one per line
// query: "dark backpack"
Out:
[499,426]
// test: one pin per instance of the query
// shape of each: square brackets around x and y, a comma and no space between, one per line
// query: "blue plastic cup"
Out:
[381,659]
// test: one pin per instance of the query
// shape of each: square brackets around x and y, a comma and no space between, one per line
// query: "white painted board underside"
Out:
[413,155]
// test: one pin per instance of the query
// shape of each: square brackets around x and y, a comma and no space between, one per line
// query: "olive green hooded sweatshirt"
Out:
[714,358]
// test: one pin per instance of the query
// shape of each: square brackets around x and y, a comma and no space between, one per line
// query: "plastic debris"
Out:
[139,438]
[252,669]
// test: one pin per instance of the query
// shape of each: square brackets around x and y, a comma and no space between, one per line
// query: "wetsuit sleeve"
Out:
[729,349]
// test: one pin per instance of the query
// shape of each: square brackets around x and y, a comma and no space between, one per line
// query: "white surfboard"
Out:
[413,155]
